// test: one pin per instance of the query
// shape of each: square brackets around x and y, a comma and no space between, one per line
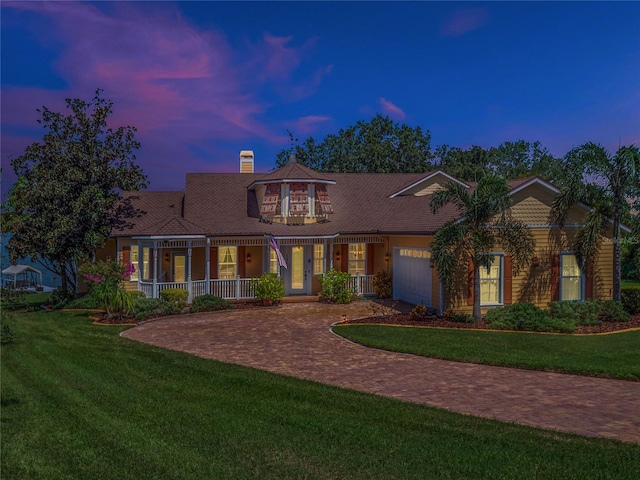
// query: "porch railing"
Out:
[362,284]
[232,289]
[238,288]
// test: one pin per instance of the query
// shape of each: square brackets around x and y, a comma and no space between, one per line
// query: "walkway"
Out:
[295,340]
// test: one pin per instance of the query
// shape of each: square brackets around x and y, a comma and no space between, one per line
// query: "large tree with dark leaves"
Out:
[68,195]
[377,146]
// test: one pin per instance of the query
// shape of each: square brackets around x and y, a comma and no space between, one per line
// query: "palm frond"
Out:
[587,245]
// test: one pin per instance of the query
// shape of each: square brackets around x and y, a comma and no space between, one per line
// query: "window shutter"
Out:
[213,262]
[588,278]
[507,297]
[470,282]
[344,258]
[126,258]
[240,261]
[369,260]
[555,278]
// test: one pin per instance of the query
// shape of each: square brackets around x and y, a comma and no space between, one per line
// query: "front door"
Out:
[298,275]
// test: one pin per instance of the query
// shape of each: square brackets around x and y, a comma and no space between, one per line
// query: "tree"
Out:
[604,182]
[509,160]
[68,195]
[378,146]
[466,165]
[484,221]
[522,159]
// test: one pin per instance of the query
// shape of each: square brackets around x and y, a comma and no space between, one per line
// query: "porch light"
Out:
[248,258]
[338,255]
[166,257]
[387,257]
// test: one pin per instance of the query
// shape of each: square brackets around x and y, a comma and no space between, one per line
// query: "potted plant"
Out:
[269,288]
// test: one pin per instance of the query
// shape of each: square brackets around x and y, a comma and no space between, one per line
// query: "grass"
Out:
[78,401]
[630,284]
[614,356]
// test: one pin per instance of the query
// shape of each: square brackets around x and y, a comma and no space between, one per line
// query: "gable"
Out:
[532,205]
[427,185]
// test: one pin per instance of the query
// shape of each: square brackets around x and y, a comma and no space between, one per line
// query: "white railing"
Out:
[362,284]
[232,289]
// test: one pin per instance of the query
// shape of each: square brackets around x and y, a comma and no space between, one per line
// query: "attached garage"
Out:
[412,275]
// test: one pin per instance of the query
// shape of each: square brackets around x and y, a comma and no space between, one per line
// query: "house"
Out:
[226,228]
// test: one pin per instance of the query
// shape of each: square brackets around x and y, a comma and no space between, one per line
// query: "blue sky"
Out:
[203,80]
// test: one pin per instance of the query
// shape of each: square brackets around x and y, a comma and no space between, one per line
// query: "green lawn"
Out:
[630,284]
[80,402]
[613,355]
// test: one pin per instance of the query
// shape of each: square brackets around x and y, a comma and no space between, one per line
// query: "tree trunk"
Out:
[476,292]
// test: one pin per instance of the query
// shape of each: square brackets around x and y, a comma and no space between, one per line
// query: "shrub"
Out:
[7,335]
[582,313]
[335,287]
[418,311]
[209,303]
[631,300]
[12,299]
[528,317]
[382,284]
[176,299]
[458,317]
[269,287]
[613,311]
[105,279]
[151,307]
[85,301]
[60,297]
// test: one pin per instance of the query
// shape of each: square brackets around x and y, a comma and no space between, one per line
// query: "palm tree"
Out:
[484,221]
[604,182]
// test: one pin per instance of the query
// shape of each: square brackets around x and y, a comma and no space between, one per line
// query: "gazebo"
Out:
[23,277]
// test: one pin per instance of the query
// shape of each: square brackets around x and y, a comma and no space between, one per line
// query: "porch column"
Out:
[139,265]
[330,255]
[155,269]
[207,273]
[189,285]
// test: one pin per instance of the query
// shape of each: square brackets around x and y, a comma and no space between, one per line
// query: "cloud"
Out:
[176,83]
[308,124]
[391,109]
[464,21]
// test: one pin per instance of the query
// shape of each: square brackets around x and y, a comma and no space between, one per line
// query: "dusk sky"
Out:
[203,80]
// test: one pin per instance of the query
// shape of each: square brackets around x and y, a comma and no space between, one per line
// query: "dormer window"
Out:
[295,200]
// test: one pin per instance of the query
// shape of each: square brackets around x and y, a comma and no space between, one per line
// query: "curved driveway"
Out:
[296,340]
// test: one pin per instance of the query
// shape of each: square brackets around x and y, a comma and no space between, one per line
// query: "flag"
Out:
[274,245]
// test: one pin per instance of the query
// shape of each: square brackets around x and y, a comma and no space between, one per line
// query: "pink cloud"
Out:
[308,124]
[391,109]
[464,21]
[176,83]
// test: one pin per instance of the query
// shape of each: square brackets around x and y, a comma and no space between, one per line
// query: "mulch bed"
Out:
[406,319]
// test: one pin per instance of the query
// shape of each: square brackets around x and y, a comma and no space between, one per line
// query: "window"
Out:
[227,261]
[146,253]
[491,283]
[318,259]
[273,261]
[570,278]
[134,261]
[356,258]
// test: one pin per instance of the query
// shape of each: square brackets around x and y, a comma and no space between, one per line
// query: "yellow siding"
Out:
[429,189]
[534,284]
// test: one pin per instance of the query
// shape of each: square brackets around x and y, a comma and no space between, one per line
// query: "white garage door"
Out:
[412,275]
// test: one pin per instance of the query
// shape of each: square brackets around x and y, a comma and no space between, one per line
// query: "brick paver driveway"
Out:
[296,340]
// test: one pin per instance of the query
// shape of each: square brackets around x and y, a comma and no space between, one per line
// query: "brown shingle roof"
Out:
[221,204]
